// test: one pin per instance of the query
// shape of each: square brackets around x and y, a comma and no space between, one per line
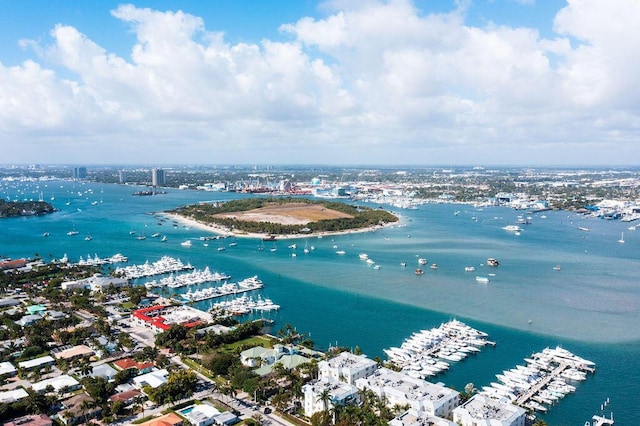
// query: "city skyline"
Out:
[503,82]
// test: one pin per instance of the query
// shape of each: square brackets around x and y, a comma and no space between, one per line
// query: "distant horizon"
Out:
[362,82]
[335,165]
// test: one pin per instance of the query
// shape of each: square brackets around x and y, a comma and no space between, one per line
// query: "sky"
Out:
[353,82]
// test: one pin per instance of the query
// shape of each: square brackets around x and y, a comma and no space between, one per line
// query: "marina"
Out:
[541,383]
[248,284]
[243,305]
[430,352]
[195,277]
[165,265]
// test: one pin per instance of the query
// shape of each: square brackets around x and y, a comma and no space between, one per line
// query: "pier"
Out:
[526,397]
[543,381]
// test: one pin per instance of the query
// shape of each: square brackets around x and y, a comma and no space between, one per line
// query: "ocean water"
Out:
[590,306]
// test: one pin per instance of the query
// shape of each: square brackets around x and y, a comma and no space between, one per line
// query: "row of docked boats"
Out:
[248,284]
[429,352]
[164,265]
[544,380]
[96,260]
[245,304]
[195,277]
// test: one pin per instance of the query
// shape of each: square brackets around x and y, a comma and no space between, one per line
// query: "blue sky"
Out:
[502,82]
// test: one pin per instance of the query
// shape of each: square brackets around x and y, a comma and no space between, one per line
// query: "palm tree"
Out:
[85,368]
[325,398]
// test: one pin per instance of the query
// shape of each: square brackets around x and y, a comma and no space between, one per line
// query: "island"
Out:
[271,218]
[24,208]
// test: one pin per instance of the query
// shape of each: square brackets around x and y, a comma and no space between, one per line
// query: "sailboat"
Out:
[306,249]
[621,240]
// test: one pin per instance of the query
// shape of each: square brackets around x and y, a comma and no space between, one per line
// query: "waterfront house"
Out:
[481,410]
[346,367]
[398,388]
[415,417]
[340,393]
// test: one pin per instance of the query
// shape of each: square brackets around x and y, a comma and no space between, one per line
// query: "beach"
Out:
[224,231]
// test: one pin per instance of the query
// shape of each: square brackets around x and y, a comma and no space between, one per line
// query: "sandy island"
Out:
[222,230]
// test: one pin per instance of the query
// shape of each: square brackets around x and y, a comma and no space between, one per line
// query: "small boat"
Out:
[483,280]
[469,269]
[340,252]
[141,237]
[492,262]
[557,268]
[88,238]
[403,264]
[419,271]
[221,248]
[434,266]
[45,234]
[186,243]
[376,267]
[621,240]
[164,239]
[422,261]
[156,235]
[583,228]
[363,256]
[74,232]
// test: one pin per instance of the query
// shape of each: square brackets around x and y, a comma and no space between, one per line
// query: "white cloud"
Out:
[372,82]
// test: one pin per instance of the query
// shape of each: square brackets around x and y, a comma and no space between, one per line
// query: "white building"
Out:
[346,367]
[340,394]
[152,379]
[484,411]
[398,388]
[43,361]
[418,418]
[57,383]
[7,369]
[202,415]
[7,397]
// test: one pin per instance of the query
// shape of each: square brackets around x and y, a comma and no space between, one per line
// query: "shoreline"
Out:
[224,231]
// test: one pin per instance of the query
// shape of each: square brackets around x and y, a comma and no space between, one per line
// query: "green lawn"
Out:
[250,342]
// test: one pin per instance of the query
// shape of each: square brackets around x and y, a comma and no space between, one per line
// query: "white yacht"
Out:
[186,243]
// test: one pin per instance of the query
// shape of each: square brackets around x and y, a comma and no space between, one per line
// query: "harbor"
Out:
[429,352]
[165,265]
[243,305]
[195,277]
[547,378]
[227,289]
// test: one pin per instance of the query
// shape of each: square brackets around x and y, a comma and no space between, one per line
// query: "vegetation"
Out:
[360,217]
[24,208]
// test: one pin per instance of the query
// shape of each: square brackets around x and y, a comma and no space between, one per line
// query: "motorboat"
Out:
[186,243]
[492,262]
[483,280]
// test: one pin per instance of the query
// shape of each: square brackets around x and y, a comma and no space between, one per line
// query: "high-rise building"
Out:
[122,175]
[79,172]
[157,177]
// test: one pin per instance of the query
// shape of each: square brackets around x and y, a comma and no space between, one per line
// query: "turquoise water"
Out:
[590,306]
[186,411]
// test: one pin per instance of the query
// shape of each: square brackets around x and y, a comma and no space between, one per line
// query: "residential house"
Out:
[79,409]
